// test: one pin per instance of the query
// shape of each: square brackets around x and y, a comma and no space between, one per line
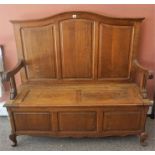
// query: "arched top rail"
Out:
[80,14]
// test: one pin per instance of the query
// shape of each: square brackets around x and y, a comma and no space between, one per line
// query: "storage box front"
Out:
[77,121]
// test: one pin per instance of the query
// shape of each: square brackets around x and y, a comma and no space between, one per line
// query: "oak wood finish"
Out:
[79,77]
[146,74]
[10,76]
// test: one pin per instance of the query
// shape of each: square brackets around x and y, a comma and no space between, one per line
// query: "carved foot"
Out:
[12,137]
[143,138]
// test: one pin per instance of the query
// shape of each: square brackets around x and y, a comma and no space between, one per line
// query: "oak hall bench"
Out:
[80,77]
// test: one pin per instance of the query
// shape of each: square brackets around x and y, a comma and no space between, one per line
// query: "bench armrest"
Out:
[145,75]
[10,76]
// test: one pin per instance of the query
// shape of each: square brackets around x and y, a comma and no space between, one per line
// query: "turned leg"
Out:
[12,137]
[143,138]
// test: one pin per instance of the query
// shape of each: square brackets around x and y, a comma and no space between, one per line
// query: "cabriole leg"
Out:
[143,138]
[12,137]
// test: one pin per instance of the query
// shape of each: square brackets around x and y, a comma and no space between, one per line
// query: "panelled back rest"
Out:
[78,46]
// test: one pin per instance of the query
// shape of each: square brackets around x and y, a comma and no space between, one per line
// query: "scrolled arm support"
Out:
[10,76]
[146,74]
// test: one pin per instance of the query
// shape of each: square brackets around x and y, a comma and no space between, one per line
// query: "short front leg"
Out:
[12,137]
[143,138]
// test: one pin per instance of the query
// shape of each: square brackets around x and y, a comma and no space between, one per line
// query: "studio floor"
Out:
[29,143]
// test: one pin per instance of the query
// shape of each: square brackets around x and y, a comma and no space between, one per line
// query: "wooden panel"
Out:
[49,97]
[114,51]
[39,121]
[77,121]
[39,51]
[76,48]
[122,120]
